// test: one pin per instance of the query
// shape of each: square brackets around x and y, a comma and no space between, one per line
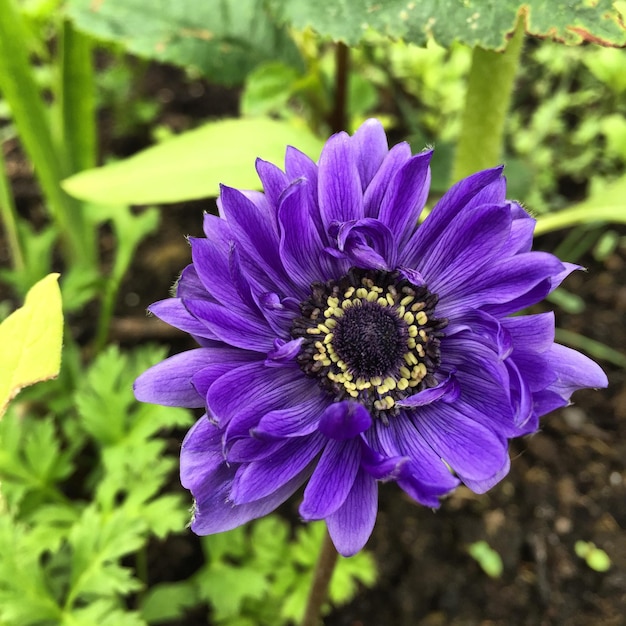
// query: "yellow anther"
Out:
[349,292]
[423,335]
[331,323]
[410,358]
[400,311]
[361,292]
[403,383]
[390,300]
[414,383]
[326,362]
[342,366]
[379,405]
[354,394]
[377,289]
[389,401]
[421,318]
[332,302]
[382,301]
[328,338]
[408,317]
[372,296]
[418,306]
[338,312]
[419,348]
[381,389]
[323,328]
[390,383]
[411,342]
[406,300]
[405,372]
[376,380]
[412,331]
[313,331]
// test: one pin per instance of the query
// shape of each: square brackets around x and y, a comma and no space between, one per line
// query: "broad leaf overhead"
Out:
[221,39]
[474,22]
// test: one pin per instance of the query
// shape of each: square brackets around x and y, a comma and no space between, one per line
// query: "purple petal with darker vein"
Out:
[169,382]
[376,190]
[486,187]
[367,243]
[294,421]
[370,148]
[235,327]
[258,479]
[447,391]
[344,420]
[274,180]
[482,486]
[173,312]
[472,450]
[574,370]
[332,479]
[352,524]
[340,195]
[406,196]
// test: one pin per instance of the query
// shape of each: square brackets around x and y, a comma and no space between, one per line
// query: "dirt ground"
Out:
[567,482]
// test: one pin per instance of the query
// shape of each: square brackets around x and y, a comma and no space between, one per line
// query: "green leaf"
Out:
[102,613]
[193,164]
[168,601]
[488,559]
[31,340]
[476,23]
[220,39]
[606,205]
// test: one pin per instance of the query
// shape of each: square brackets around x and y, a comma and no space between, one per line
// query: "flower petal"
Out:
[169,382]
[344,420]
[370,148]
[351,525]
[332,479]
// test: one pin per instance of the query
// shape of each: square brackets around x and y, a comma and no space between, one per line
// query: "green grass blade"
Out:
[8,215]
[77,99]
[593,348]
[30,117]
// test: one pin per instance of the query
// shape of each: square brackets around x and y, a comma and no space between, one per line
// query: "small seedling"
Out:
[596,558]
[488,559]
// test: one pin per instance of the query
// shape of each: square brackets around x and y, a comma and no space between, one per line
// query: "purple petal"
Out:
[294,421]
[376,190]
[472,241]
[574,371]
[472,450]
[486,187]
[274,180]
[370,147]
[340,195]
[344,420]
[351,525]
[173,312]
[257,479]
[332,479]
[234,327]
[447,391]
[367,243]
[169,382]
[482,486]
[406,196]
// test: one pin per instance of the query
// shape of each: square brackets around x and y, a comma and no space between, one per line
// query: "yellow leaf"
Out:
[31,339]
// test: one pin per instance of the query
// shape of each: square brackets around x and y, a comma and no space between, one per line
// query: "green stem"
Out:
[586,214]
[9,218]
[29,114]
[321,580]
[489,92]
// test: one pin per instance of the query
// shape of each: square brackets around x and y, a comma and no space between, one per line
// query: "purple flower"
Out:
[343,345]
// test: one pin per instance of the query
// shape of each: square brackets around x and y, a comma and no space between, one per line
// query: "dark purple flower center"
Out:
[371,336]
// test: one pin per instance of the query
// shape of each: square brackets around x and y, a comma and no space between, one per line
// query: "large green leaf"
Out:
[31,340]
[474,22]
[222,39]
[193,165]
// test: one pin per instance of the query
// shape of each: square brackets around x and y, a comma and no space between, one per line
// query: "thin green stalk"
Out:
[9,218]
[596,349]
[321,580]
[22,94]
[489,90]
[77,99]
[583,214]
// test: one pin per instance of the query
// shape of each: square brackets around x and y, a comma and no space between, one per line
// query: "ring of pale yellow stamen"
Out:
[407,309]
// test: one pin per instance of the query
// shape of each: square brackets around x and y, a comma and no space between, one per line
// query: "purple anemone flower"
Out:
[344,345]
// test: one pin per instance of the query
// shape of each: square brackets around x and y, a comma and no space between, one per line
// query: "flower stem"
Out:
[489,90]
[321,580]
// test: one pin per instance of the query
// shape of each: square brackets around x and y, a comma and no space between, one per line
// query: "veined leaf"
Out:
[482,23]
[31,340]
[193,164]
[224,40]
